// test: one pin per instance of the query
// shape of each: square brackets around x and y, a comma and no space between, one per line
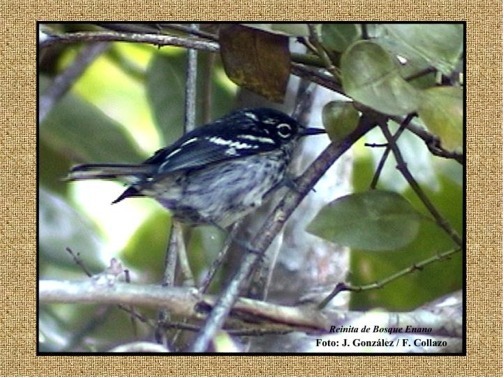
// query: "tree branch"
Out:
[184,302]
[190,87]
[113,36]
[248,316]
[306,72]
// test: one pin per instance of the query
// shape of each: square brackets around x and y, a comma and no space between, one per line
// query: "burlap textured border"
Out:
[18,187]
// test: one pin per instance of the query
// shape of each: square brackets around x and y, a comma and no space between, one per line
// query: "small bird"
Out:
[215,174]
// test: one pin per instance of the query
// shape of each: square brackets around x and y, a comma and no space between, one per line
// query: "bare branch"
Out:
[185,302]
[175,247]
[380,284]
[248,317]
[317,76]
[112,36]
[297,69]
[190,87]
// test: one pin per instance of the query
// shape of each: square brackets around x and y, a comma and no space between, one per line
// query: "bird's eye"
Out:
[284,130]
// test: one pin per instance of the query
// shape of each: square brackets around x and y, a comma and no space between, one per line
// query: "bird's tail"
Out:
[125,172]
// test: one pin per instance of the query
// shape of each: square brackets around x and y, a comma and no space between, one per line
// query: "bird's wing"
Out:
[195,151]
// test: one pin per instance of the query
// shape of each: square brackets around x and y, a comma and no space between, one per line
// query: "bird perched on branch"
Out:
[215,174]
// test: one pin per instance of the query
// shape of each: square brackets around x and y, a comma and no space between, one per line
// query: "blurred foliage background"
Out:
[130,102]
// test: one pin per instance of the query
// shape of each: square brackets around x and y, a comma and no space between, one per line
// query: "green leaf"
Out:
[339,36]
[165,91]
[375,220]
[146,248]
[166,88]
[424,285]
[340,118]
[371,77]
[53,166]
[256,60]
[84,133]
[442,111]
[60,226]
[441,45]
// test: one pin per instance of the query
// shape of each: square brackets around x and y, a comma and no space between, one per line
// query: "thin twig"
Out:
[403,168]
[190,30]
[380,284]
[217,262]
[159,27]
[252,331]
[431,141]
[77,259]
[304,100]
[307,59]
[126,27]
[129,309]
[386,153]
[375,145]
[184,266]
[177,244]
[316,40]
[170,265]
[261,281]
[171,254]
[317,76]
[190,87]
[64,81]
[434,145]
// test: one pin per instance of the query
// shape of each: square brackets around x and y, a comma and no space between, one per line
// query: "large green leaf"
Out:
[146,249]
[60,226]
[339,36]
[441,45]
[424,285]
[375,220]
[165,91]
[53,166]
[84,133]
[371,77]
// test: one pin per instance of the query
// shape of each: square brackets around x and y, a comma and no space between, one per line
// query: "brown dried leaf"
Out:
[256,60]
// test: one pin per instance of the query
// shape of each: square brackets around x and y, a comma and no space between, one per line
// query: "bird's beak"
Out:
[310,131]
